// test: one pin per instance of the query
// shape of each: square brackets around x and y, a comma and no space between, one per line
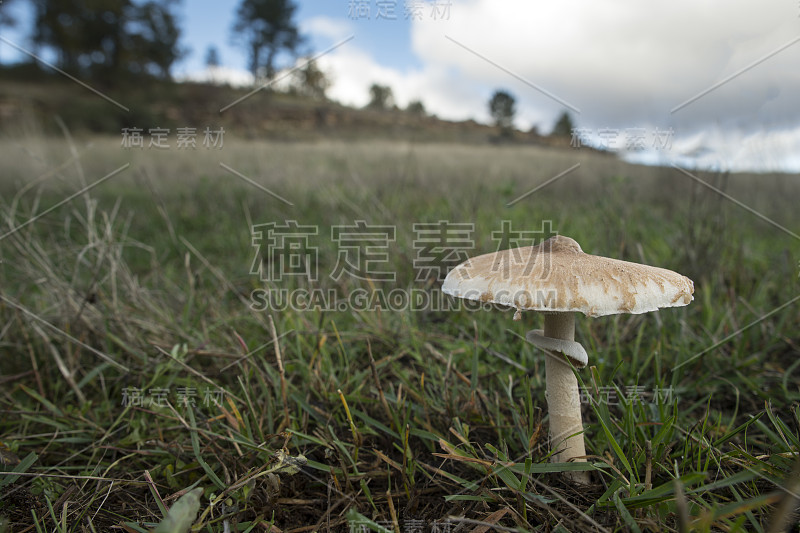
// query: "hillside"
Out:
[29,96]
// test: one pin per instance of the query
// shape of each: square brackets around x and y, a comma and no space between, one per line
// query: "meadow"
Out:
[136,362]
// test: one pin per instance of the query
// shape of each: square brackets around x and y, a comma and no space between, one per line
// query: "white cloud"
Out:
[334,29]
[733,150]
[353,69]
[620,61]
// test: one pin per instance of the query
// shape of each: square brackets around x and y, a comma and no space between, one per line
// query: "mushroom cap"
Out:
[557,276]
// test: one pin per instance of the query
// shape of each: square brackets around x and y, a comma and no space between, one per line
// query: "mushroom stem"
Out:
[563,398]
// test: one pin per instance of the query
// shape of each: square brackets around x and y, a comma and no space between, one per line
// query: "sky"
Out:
[701,83]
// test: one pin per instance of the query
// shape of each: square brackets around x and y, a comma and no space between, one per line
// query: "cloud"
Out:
[334,29]
[621,62]
[725,149]
[352,69]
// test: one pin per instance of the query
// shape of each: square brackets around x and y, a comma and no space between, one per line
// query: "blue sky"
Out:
[721,74]
[206,23]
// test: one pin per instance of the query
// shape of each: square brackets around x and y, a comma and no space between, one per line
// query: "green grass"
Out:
[379,417]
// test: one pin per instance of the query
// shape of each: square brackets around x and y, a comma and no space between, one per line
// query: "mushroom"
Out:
[556,277]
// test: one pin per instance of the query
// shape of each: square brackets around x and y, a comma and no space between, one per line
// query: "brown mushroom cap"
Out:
[557,276]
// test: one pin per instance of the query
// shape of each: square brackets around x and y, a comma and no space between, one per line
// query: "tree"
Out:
[265,28]
[212,57]
[85,34]
[502,108]
[155,35]
[416,108]
[380,97]
[564,126]
[106,38]
[312,81]
[212,64]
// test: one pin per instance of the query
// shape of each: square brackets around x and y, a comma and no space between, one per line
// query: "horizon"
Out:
[730,109]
